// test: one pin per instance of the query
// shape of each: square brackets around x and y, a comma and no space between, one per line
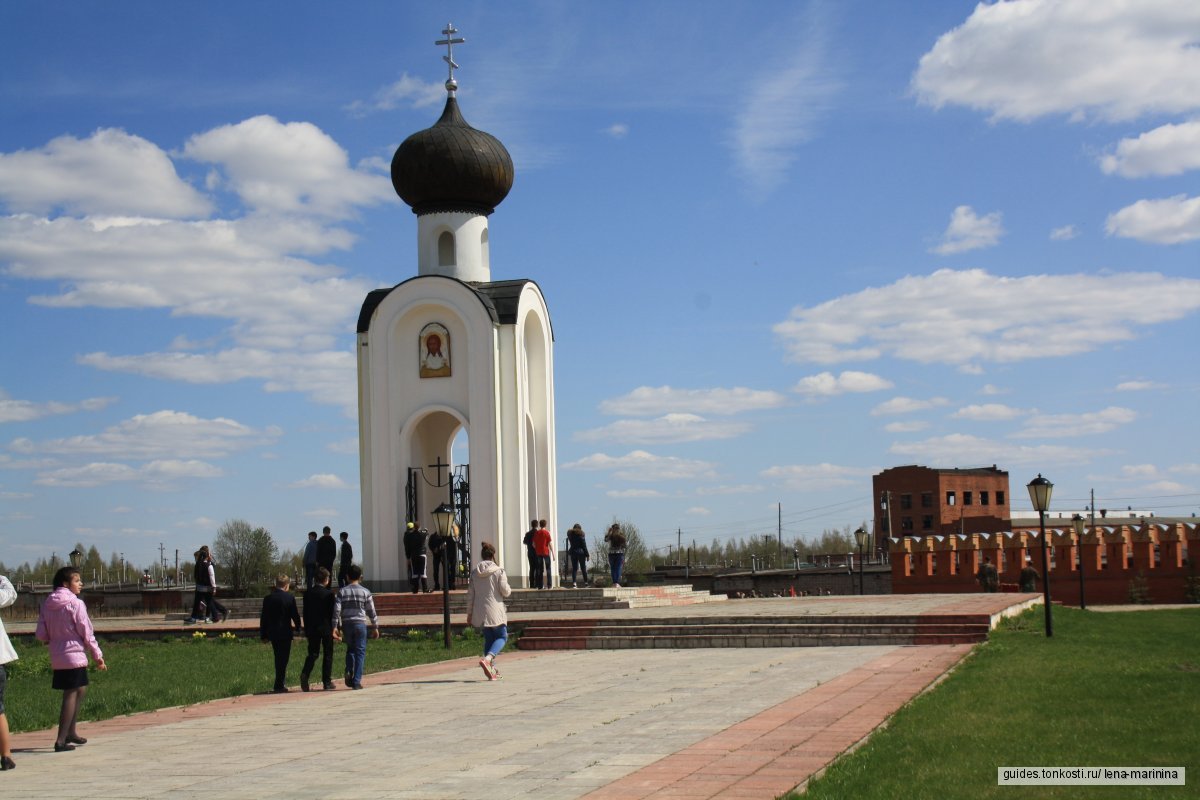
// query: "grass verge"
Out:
[1108,690]
[181,670]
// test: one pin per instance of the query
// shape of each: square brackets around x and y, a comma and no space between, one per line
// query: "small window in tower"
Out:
[967,498]
[983,498]
[999,497]
[446,249]
[483,244]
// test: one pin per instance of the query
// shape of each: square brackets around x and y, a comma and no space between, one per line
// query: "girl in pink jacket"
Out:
[64,625]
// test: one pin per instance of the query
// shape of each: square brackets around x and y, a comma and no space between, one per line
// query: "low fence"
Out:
[1121,563]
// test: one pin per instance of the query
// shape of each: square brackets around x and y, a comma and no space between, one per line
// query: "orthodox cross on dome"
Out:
[450,41]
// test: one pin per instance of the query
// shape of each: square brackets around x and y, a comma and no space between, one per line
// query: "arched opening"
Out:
[446,249]
[438,472]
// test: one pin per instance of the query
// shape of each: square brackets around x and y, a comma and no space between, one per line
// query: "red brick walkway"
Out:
[771,753]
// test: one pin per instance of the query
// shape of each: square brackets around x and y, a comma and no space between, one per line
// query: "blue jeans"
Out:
[616,562]
[355,635]
[494,640]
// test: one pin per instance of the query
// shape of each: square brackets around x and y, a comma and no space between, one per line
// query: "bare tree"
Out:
[245,556]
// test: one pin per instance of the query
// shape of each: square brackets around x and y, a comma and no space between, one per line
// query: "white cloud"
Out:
[346,447]
[743,488]
[322,513]
[618,130]
[991,390]
[161,435]
[163,474]
[407,91]
[781,110]
[698,511]
[110,172]
[906,427]
[907,405]
[319,481]
[16,495]
[289,168]
[668,429]
[1186,469]
[965,450]
[634,494]
[826,384]
[816,477]
[1091,423]
[968,231]
[639,465]
[987,412]
[1140,471]
[327,377]
[1063,234]
[1104,58]
[1171,220]
[1138,386]
[26,410]
[651,400]
[970,316]
[1166,150]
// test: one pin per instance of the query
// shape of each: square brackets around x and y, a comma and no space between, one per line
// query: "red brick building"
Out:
[924,501]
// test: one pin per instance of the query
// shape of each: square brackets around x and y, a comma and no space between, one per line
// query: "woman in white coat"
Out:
[485,607]
[8,596]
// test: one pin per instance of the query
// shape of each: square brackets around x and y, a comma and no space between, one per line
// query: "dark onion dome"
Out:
[452,167]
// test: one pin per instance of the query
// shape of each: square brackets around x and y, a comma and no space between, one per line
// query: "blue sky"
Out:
[785,245]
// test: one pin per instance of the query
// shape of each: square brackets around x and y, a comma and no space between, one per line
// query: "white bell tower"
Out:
[449,351]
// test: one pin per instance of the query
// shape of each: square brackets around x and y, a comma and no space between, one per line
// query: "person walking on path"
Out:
[414,552]
[345,559]
[531,555]
[275,624]
[543,543]
[64,625]
[204,600]
[310,560]
[989,581]
[352,607]
[486,591]
[318,628]
[8,596]
[578,551]
[616,553]
[327,550]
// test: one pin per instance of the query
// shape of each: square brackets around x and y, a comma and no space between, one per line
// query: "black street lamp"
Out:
[443,518]
[1040,490]
[860,536]
[1078,522]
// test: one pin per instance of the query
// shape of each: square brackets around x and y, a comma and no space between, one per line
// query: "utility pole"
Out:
[678,544]
[779,531]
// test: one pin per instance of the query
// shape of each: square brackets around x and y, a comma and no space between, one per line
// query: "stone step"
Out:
[539,630]
[766,640]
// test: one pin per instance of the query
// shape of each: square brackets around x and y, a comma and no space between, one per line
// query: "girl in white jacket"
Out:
[485,607]
[8,596]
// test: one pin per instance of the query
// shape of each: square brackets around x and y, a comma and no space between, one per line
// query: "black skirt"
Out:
[70,678]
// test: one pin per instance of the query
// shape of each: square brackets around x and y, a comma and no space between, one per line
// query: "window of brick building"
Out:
[926,499]
[999,497]
[905,502]
[983,498]
[966,498]
[906,523]
[927,522]
[950,499]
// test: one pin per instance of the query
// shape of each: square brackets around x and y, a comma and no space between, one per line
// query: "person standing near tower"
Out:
[578,551]
[543,543]
[310,560]
[616,553]
[345,559]
[327,550]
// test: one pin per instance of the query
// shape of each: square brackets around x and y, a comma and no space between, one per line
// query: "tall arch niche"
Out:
[535,356]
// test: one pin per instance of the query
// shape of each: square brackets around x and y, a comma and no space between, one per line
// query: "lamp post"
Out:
[1078,522]
[443,516]
[860,536]
[1039,493]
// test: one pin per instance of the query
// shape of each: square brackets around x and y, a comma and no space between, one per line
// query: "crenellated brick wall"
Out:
[1152,556]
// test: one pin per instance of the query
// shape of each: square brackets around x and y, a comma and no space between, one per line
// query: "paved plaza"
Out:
[727,723]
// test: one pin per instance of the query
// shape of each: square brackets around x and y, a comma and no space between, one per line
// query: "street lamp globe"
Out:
[1040,490]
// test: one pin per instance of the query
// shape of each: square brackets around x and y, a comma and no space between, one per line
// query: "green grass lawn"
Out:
[1110,689]
[181,670]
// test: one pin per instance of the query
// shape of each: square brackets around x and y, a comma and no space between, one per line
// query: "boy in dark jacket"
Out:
[275,623]
[318,627]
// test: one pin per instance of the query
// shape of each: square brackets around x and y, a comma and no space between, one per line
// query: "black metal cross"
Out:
[439,466]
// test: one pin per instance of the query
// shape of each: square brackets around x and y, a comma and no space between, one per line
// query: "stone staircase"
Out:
[734,631]
[531,600]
